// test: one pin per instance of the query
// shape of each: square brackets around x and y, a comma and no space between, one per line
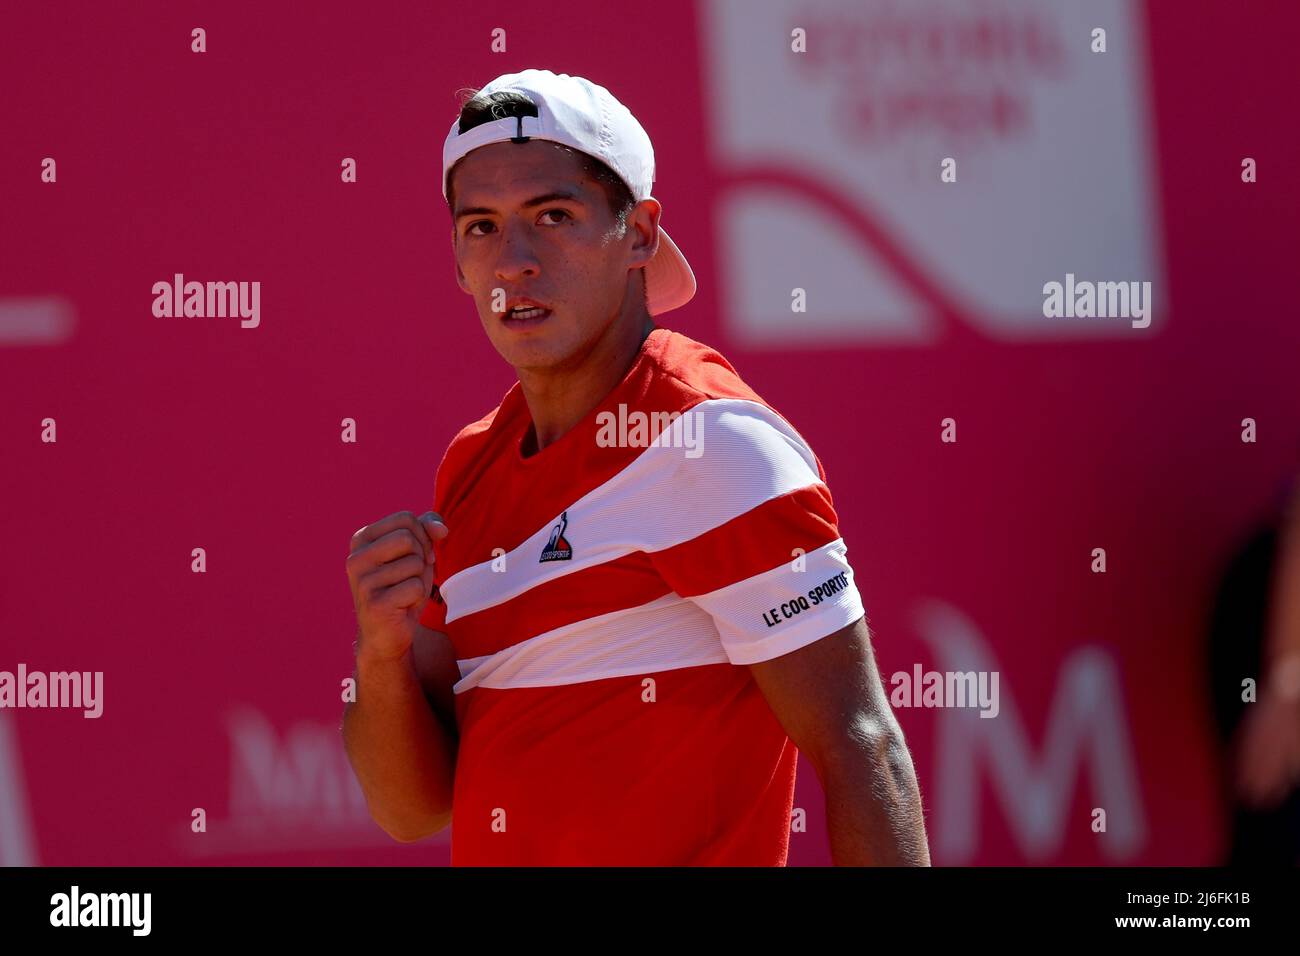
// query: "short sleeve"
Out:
[766,559]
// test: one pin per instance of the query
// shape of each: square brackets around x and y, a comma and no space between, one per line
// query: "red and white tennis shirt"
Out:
[600,595]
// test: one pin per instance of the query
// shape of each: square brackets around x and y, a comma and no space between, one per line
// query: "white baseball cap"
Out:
[584,116]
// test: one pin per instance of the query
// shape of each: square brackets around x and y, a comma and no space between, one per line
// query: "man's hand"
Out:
[391,571]
[403,755]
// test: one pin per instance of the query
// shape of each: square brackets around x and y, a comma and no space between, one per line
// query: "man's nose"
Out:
[515,255]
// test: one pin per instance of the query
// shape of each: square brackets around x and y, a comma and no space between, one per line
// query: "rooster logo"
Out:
[557,546]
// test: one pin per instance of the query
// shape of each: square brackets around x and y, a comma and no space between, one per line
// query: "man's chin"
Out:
[534,354]
[547,347]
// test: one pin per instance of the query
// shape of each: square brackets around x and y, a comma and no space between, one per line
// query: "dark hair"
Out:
[478,109]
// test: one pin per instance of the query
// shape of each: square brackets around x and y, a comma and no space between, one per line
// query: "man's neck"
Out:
[558,399]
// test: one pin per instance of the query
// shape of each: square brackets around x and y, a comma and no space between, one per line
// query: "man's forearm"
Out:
[873,804]
[403,755]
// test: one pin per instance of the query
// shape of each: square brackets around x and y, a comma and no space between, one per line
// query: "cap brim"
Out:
[669,281]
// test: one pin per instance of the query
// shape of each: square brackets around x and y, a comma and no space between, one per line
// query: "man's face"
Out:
[529,221]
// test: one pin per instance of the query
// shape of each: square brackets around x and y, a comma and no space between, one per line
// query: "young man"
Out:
[643,605]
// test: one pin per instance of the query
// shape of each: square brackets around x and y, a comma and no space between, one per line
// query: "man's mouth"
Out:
[525,317]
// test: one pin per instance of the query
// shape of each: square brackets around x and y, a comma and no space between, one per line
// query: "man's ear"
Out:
[644,220]
[460,281]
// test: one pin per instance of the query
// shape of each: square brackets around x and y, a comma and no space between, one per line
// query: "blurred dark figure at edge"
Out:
[1255,632]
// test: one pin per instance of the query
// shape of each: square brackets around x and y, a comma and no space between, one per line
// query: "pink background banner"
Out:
[820,171]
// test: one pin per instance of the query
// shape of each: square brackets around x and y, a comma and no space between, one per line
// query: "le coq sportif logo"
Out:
[557,546]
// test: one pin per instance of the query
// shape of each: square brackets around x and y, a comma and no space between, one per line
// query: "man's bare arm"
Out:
[400,737]
[403,753]
[829,698]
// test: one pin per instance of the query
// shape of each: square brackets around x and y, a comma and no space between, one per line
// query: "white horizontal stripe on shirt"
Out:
[660,499]
[665,634]
[729,625]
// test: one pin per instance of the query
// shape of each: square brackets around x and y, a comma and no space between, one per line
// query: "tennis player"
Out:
[642,610]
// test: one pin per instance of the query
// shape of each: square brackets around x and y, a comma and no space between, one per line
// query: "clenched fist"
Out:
[391,572]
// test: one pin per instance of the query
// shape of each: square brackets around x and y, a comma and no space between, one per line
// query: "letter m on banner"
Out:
[1086,728]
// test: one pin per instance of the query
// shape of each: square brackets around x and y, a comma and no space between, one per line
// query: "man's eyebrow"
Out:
[558,194]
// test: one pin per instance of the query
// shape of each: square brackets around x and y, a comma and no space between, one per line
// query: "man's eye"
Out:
[469,230]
